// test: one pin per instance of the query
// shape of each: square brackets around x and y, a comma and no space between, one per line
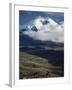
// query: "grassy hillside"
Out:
[33,66]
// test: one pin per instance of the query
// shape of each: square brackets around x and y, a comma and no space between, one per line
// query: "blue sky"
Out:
[27,17]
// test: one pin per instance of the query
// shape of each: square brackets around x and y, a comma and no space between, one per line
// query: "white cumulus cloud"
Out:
[52,31]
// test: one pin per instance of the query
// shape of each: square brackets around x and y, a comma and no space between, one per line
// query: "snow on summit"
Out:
[42,26]
[45,29]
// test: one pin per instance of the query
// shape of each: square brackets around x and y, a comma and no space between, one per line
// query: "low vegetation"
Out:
[33,66]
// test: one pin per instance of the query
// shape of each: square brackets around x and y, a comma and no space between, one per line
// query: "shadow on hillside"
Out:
[55,57]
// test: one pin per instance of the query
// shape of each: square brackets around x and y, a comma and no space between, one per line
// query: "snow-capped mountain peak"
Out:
[45,30]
